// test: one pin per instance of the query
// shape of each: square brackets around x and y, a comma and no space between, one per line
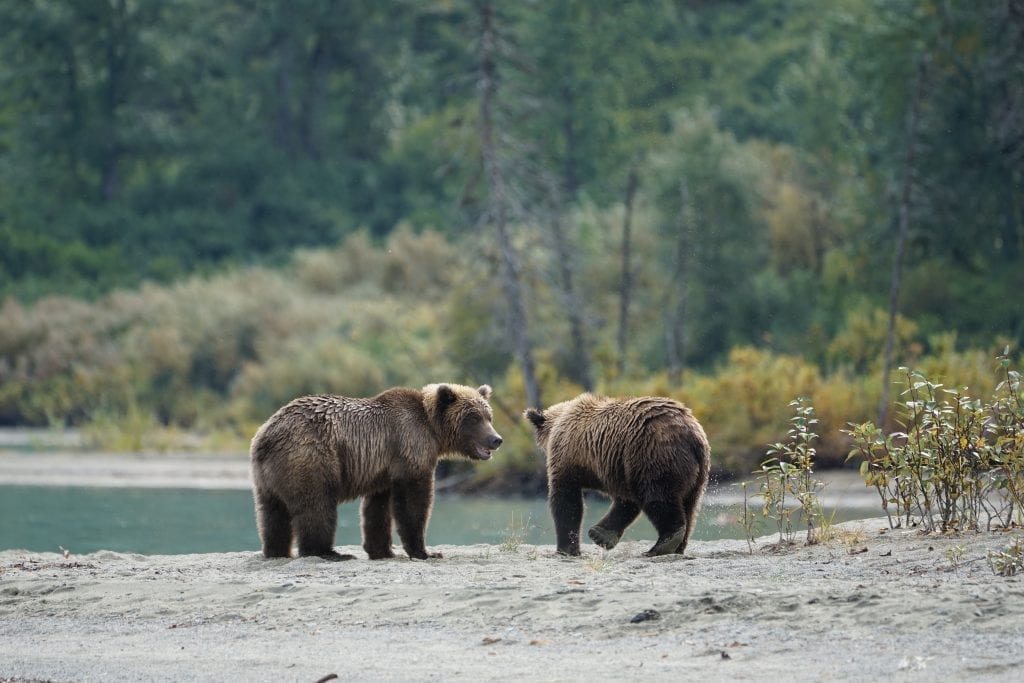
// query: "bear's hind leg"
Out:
[609,529]
[376,521]
[692,506]
[314,528]
[669,519]
[274,525]
[411,502]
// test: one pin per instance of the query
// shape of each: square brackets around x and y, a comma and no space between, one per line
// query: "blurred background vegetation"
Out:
[207,209]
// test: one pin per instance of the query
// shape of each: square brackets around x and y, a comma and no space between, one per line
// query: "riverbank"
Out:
[135,470]
[871,603]
[843,488]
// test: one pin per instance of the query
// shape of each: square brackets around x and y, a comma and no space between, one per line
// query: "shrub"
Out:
[790,473]
[956,463]
[739,405]
[1008,562]
[863,335]
[322,365]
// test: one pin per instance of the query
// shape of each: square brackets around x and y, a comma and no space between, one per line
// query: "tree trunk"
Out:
[675,320]
[570,176]
[110,180]
[283,121]
[580,368]
[496,211]
[312,99]
[626,280]
[72,129]
[903,230]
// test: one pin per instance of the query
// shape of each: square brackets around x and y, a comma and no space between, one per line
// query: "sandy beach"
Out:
[870,604]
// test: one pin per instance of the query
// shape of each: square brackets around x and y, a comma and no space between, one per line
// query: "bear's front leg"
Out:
[566,502]
[375,514]
[411,502]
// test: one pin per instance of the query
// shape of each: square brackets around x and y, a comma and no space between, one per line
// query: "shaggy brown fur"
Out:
[647,453]
[318,451]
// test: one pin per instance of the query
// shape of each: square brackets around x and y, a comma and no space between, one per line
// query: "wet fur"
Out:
[649,454]
[319,451]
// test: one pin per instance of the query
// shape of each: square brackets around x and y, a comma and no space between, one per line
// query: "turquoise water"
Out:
[173,521]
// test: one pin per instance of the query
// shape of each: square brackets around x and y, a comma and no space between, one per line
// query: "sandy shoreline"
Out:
[864,606]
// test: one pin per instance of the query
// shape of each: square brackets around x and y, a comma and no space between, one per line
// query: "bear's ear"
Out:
[485,390]
[445,397]
[535,416]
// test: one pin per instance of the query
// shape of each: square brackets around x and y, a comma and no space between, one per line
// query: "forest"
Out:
[207,209]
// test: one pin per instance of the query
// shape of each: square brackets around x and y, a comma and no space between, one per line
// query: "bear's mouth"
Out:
[482,453]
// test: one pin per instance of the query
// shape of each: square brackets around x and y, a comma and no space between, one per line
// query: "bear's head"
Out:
[462,418]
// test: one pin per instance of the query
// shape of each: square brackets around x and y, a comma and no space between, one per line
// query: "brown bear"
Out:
[318,451]
[647,453]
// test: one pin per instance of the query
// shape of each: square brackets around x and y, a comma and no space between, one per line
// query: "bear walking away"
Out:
[319,451]
[649,454]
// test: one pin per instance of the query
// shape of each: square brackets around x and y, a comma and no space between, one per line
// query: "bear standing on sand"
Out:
[318,451]
[647,453]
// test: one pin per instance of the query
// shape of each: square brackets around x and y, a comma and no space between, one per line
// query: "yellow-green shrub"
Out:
[744,405]
[859,344]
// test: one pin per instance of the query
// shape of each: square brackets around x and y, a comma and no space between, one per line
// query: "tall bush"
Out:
[958,462]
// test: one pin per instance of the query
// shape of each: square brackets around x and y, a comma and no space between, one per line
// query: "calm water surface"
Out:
[173,521]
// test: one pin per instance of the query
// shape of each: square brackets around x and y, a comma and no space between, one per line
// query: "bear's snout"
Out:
[490,442]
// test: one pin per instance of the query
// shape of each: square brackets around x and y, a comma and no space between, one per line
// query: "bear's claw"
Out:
[605,538]
[334,556]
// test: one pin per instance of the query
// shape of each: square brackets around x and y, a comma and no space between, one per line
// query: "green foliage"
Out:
[790,473]
[271,198]
[1010,561]
[747,518]
[863,334]
[959,461]
[515,534]
[706,184]
[181,138]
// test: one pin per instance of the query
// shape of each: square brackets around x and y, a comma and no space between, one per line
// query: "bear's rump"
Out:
[657,460]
